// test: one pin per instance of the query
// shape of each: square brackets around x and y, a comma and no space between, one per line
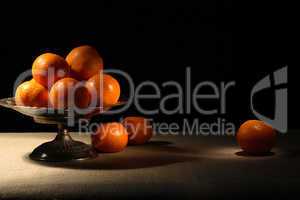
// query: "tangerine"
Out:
[68,92]
[104,88]
[49,68]
[255,137]
[31,93]
[110,137]
[139,130]
[85,62]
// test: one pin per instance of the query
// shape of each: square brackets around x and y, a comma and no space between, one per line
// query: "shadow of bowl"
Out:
[152,154]
[118,162]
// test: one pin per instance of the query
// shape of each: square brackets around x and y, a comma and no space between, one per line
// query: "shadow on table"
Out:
[164,146]
[293,152]
[287,152]
[245,154]
[152,154]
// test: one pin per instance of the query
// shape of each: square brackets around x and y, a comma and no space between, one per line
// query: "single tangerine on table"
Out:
[49,68]
[104,88]
[85,62]
[31,93]
[139,130]
[68,92]
[110,137]
[256,137]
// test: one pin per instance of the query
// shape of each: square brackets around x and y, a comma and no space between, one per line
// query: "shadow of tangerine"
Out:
[245,154]
[165,146]
[157,143]
[292,152]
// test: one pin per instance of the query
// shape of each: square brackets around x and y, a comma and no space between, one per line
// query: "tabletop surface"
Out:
[172,166]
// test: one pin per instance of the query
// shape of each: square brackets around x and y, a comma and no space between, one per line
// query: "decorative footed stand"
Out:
[62,148]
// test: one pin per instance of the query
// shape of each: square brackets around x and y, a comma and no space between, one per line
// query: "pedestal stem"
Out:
[63,133]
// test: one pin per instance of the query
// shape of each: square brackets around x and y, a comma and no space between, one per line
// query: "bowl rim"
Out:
[9,102]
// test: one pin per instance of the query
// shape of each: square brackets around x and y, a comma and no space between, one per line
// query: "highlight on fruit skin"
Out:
[104,88]
[85,62]
[31,93]
[256,137]
[69,93]
[110,138]
[139,130]
[49,68]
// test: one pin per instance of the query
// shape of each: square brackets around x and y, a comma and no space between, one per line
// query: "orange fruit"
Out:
[49,68]
[104,88]
[110,137]
[139,130]
[67,93]
[85,62]
[255,137]
[31,93]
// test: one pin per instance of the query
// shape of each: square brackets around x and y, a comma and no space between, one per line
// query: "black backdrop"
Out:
[152,41]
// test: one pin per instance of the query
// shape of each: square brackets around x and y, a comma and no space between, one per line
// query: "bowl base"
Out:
[62,148]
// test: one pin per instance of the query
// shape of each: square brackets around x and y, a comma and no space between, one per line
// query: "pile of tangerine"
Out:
[54,78]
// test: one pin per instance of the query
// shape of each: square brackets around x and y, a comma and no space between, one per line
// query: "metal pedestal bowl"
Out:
[62,147]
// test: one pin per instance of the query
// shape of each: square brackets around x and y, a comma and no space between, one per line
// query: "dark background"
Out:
[155,41]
